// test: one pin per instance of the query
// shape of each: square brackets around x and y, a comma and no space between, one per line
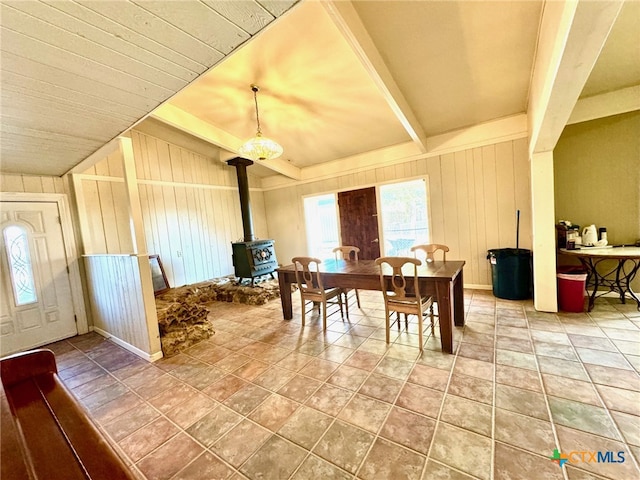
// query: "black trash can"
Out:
[511,273]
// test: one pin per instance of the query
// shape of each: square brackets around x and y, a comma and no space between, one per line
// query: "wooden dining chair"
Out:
[348,252]
[311,288]
[402,293]
[430,250]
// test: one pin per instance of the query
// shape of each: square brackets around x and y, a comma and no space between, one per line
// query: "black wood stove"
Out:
[251,258]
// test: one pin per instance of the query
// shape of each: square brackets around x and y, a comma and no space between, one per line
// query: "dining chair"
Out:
[430,249]
[348,252]
[311,288]
[402,293]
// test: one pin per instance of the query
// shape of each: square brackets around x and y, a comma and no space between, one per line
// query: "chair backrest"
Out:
[399,279]
[430,249]
[346,252]
[307,277]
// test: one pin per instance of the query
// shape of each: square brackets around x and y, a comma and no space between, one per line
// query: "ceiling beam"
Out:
[571,38]
[350,26]
[494,131]
[188,123]
[488,133]
[607,104]
[100,154]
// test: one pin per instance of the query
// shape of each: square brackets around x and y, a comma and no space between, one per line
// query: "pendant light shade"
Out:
[259,147]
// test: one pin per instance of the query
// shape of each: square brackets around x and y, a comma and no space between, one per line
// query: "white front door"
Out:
[36,305]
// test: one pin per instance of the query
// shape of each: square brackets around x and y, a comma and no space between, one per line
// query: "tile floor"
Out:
[267,399]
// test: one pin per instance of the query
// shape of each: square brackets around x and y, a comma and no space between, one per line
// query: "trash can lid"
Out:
[509,252]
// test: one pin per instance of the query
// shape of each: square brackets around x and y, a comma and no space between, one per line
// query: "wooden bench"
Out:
[46,433]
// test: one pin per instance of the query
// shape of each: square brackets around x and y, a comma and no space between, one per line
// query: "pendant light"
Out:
[259,147]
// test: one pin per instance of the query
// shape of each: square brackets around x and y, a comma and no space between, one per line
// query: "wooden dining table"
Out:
[442,280]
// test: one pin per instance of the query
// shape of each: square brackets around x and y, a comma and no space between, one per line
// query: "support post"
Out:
[545,296]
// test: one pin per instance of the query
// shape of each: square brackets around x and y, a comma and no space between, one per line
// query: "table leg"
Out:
[458,301]
[445,313]
[591,273]
[620,283]
[285,296]
[628,277]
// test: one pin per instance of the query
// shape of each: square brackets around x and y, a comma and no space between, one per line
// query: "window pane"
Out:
[322,225]
[17,245]
[404,216]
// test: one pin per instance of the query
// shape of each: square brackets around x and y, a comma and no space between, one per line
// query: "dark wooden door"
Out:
[359,221]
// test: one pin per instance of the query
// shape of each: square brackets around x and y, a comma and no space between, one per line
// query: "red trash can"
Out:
[571,291]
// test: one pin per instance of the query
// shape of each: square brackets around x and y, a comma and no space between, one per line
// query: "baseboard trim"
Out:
[148,357]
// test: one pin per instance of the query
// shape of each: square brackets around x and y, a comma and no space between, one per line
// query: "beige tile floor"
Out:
[269,399]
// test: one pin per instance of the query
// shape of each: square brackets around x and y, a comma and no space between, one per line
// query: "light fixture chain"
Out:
[255,98]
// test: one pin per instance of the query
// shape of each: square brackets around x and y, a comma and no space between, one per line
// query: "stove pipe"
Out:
[241,165]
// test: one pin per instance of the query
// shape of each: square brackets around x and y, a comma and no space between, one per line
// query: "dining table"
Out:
[609,269]
[443,280]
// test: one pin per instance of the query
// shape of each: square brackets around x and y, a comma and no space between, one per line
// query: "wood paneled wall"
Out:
[190,207]
[117,302]
[32,184]
[473,198]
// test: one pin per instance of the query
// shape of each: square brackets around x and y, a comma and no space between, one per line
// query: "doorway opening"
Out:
[385,220]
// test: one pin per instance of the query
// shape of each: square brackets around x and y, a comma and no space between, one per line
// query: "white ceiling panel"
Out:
[77,74]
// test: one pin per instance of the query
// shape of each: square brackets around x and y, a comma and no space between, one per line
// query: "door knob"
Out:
[375,241]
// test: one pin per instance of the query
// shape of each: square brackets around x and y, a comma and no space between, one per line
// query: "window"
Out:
[321,216]
[403,207]
[17,246]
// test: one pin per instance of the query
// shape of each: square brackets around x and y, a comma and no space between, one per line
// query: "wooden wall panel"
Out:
[473,197]
[463,215]
[107,214]
[475,249]
[116,298]
[434,192]
[95,241]
[190,207]
[31,184]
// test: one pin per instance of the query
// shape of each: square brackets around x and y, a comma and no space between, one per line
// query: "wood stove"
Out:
[251,258]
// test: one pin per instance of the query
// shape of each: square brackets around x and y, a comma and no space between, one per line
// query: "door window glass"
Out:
[17,246]
[321,218]
[405,222]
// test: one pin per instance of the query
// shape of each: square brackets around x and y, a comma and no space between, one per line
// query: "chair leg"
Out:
[304,308]
[357,298]
[420,329]
[387,325]
[432,321]
[398,320]
[324,315]
[406,321]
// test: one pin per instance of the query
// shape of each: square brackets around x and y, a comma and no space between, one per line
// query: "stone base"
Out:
[182,317]
[226,289]
[179,339]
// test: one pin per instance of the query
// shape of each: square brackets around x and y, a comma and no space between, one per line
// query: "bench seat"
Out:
[46,433]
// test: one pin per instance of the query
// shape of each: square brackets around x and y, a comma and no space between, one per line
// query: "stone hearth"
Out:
[182,314]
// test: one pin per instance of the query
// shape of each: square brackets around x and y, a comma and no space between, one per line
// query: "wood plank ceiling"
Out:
[77,74]
[342,83]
